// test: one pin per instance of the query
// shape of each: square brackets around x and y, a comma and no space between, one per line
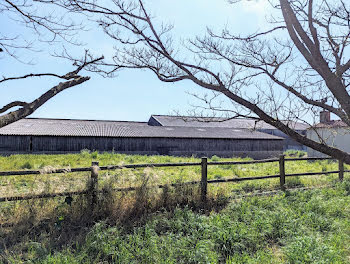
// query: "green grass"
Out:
[144,227]
[294,227]
[47,183]
[10,186]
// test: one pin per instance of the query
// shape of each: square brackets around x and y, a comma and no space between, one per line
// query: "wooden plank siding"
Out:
[255,148]
[17,143]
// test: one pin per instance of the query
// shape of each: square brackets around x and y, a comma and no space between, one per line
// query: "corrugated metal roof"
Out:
[96,128]
[237,123]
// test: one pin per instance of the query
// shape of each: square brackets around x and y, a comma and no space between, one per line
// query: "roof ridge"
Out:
[228,119]
[203,117]
[88,120]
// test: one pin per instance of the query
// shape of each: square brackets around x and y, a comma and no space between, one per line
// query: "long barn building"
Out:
[234,123]
[33,135]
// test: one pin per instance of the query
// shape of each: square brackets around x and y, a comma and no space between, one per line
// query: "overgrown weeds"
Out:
[293,227]
[153,225]
[36,184]
[59,222]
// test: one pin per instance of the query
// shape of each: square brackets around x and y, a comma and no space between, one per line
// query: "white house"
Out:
[333,132]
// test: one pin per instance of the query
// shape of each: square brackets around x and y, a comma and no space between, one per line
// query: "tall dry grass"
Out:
[63,221]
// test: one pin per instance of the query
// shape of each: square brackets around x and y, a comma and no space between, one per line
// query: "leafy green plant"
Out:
[215,158]
[26,165]
[85,152]
[94,154]
[311,249]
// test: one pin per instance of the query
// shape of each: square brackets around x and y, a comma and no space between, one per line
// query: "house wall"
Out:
[257,148]
[335,137]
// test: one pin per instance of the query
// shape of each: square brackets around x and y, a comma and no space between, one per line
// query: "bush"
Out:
[94,154]
[27,165]
[215,158]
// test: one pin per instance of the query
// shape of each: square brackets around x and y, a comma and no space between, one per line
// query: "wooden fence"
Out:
[93,190]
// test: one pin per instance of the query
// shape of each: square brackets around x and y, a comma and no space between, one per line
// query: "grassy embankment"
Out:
[143,226]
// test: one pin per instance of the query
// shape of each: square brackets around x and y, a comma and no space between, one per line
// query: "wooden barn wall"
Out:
[150,144]
[289,143]
[17,143]
[163,146]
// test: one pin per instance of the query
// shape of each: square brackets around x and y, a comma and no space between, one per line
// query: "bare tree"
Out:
[283,73]
[47,26]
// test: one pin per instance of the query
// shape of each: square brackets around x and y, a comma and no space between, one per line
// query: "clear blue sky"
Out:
[132,95]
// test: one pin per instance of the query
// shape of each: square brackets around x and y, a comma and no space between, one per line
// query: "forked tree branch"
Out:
[29,108]
[11,105]
[26,109]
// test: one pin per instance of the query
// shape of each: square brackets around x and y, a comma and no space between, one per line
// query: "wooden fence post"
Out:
[94,183]
[341,170]
[204,179]
[282,172]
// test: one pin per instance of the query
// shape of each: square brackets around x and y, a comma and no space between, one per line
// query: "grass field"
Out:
[127,177]
[300,227]
[154,226]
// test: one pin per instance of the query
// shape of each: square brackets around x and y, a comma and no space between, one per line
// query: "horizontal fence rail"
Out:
[110,167]
[40,196]
[93,190]
[154,165]
[242,162]
[309,159]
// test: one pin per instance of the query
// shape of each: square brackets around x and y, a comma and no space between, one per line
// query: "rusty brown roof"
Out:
[99,128]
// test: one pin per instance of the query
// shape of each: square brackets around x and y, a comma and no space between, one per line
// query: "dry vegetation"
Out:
[21,185]
[59,230]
